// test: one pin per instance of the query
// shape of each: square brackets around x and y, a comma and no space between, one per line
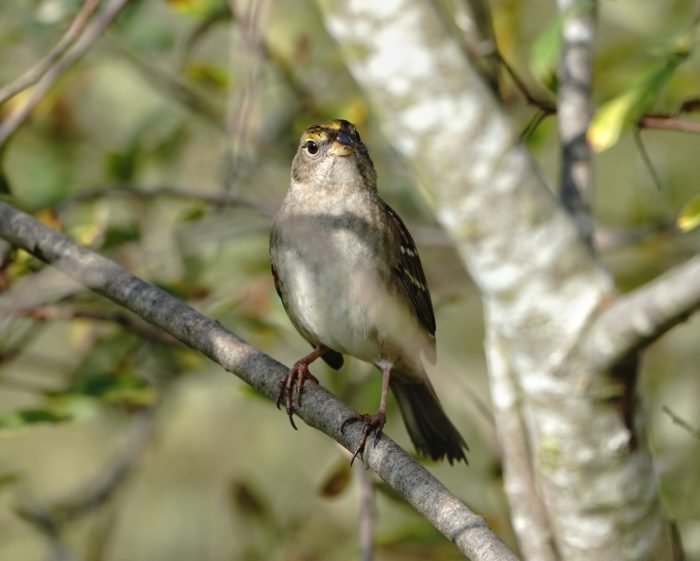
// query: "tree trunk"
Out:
[541,286]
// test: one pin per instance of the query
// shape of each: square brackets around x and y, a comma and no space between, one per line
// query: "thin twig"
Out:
[246,31]
[637,135]
[681,422]
[547,107]
[669,123]
[50,519]
[533,124]
[174,87]
[30,77]
[608,238]
[119,469]
[91,34]
[544,108]
[167,191]
[57,313]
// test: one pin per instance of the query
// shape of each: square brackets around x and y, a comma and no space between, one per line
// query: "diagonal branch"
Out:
[636,320]
[320,409]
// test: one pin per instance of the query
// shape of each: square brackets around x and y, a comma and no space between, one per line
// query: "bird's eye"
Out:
[311,147]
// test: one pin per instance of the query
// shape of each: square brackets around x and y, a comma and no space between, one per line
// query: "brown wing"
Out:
[410,271]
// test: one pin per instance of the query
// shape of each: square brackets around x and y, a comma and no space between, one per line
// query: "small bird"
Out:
[349,276]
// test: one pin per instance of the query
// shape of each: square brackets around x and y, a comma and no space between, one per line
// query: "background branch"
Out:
[681,422]
[90,35]
[574,109]
[128,322]
[37,71]
[167,191]
[366,515]
[669,123]
[320,409]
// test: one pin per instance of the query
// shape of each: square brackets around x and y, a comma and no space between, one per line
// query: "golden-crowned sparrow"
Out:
[349,276]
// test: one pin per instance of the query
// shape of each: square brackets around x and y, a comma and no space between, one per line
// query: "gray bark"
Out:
[574,109]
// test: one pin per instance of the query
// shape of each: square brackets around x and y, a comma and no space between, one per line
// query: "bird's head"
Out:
[333,153]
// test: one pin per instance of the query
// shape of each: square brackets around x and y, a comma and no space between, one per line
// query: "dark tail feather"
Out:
[430,430]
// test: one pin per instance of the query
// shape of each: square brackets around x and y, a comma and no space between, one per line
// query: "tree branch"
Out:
[126,321]
[167,191]
[366,514]
[43,66]
[669,123]
[320,409]
[634,321]
[91,34]
[528,512]
[473,20]
[102,489]
[681,422]
[574,109]
[51,519]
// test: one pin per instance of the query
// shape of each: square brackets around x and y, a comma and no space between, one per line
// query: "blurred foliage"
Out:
[167,149]
[689,217]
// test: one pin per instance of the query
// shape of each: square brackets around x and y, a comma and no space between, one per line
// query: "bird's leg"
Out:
[372,423]
[296,376]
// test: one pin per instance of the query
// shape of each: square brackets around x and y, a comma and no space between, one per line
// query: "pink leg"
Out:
[296,376]
[372,423]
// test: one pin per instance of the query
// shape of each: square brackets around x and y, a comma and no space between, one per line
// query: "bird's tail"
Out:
[430,430]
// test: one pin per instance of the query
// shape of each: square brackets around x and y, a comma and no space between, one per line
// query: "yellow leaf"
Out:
[608,122]
[689,218]
[606,125]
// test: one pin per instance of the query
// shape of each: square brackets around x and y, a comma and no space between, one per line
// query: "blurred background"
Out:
[167,148]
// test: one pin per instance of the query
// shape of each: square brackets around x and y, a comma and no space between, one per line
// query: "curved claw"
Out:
[372,424]
[296,377]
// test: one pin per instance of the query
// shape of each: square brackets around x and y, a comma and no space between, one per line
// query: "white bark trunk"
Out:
[540,284]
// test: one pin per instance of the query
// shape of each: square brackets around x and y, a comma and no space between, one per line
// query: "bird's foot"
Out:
[371,424]
[296,377]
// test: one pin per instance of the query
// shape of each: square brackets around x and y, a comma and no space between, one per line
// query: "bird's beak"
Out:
[342,145]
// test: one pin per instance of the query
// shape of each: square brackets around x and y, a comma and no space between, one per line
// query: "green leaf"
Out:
[614,115]
[689,217]
[9,478]
[115,389]
[208,74]
[196,7]
[544,53]
[545,50]
[122,166]
[24,417]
